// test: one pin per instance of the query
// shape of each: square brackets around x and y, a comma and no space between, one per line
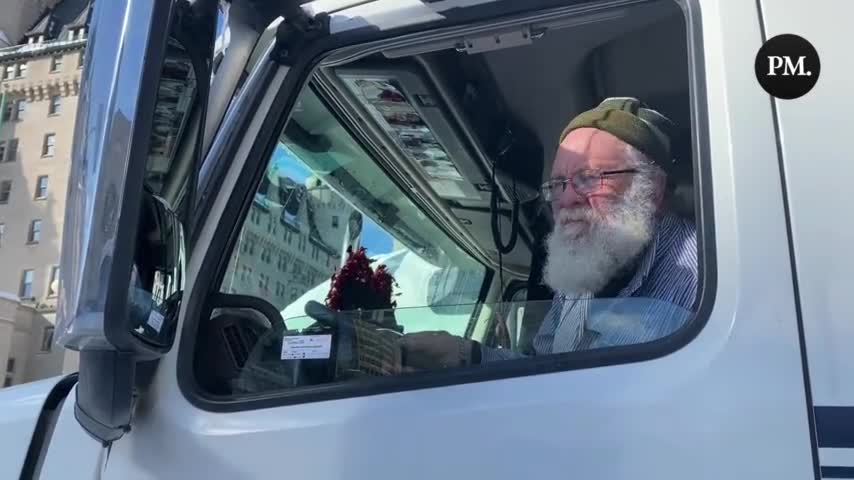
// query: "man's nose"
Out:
[569,198]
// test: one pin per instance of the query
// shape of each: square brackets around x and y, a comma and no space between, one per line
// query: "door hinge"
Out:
[496,41]
[296,33]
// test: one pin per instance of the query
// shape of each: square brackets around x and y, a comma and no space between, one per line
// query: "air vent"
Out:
[237,346]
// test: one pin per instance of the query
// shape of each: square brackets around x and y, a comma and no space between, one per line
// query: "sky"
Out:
[374,238]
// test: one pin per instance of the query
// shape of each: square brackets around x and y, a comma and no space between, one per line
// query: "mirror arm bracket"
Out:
[296,32]
[106,393]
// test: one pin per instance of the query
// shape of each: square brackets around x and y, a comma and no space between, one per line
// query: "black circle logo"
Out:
[787,66]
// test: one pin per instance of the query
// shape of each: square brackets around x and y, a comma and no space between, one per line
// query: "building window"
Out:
[26,290]
[5,191]
[41,187]
[56,63]
[14,70]
[53,285]
[9,150]
[20,108]
[35,234]
[55,105]
[81,58]
[47,339]
[49,145]
[10,372]
[334,221]
[14,110]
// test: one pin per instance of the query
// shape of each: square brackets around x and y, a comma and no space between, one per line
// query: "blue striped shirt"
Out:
[656,302]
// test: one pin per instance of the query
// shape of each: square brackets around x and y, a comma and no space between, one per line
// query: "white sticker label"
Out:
[155,320]
[306,347]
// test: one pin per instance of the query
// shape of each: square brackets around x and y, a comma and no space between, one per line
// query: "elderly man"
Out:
[623,268]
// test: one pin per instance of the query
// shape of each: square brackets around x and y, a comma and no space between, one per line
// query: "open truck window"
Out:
[504,190]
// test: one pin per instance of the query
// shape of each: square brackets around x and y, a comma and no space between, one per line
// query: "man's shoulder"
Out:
[677,240]
[674,273]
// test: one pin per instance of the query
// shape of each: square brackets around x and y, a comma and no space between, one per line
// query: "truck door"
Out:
[819,241]
[248,393]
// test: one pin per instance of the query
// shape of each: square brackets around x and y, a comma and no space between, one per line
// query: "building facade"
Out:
[39,84]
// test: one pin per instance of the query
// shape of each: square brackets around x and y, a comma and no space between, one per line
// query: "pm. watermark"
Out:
[787,66]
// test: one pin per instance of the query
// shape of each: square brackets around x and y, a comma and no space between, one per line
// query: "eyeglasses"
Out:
[584,182]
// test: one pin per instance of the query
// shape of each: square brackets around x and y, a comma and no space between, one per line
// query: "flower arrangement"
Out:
[356,286]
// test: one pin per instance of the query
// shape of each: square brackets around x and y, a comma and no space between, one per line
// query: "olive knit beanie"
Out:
[633,122]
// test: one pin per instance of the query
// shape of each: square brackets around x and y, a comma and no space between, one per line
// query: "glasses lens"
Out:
[585,181]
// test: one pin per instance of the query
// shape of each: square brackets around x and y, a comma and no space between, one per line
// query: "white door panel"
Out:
[731,404]
[72,453]
[816,144]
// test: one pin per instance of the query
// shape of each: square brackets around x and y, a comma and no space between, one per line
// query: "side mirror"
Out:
[143,94]
[157,276]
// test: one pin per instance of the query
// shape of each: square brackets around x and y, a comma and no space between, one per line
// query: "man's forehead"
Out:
[589,148]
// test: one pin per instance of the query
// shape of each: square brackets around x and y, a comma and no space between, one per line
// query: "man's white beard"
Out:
[585,261]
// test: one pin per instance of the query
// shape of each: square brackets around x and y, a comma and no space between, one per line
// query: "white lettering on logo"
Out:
[789,67]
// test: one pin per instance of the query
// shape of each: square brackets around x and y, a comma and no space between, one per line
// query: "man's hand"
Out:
[434,350]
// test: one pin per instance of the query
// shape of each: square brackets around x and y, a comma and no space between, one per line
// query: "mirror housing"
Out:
[123,247]
[105,195]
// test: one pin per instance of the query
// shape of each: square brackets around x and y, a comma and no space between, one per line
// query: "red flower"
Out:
[356,286]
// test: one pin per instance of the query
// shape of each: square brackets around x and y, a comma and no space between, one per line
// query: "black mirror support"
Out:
[103,415]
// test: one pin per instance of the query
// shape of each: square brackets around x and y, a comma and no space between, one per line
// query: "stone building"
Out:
[39,82]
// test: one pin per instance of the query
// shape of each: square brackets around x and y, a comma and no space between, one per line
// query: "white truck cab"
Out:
[231,157]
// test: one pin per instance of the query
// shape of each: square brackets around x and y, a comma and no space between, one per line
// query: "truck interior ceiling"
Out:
[455,140]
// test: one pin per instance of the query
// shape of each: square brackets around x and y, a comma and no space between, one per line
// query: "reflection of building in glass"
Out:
[174,98]
[290,242]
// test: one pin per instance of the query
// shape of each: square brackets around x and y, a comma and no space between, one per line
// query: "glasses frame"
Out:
[547,189]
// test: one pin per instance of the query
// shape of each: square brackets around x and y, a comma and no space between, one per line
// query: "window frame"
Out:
[56,66]
[49,343]
[10,71]
[23,282]
[3,183]
[43,195]
[33,233]
[19,110]
[226,234]
[54,109]
[11,152]
[49,148]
